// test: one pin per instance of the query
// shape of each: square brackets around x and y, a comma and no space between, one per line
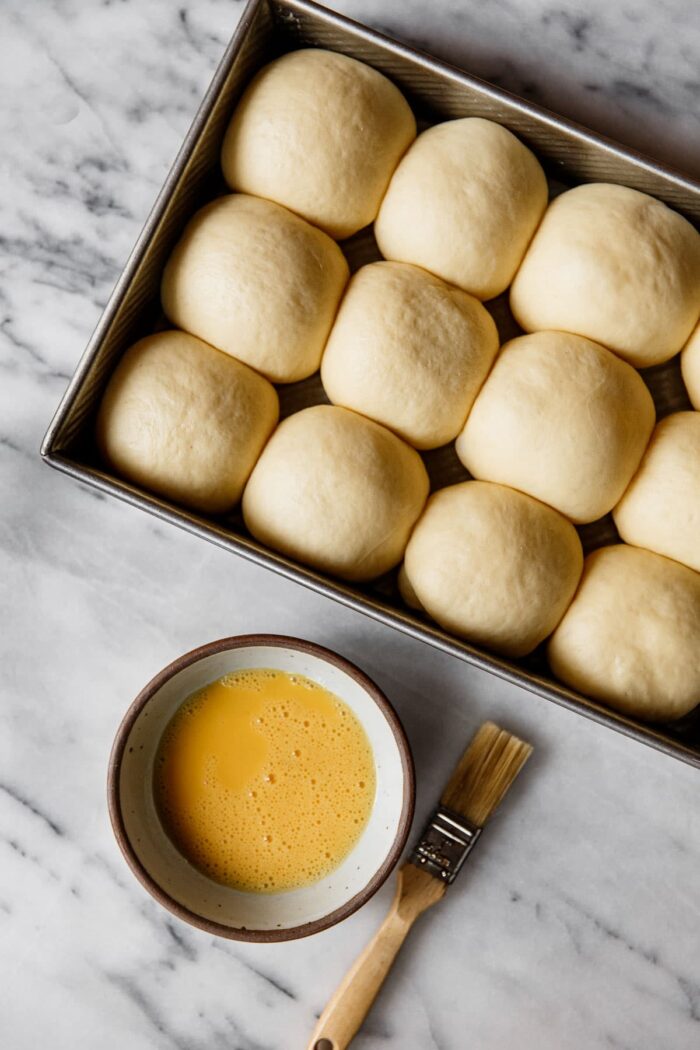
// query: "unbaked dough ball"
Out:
[336,491]
[561,419]
[410,351]
[631,637]
[185,421]
[320,133]
[492,565]
[661,508]
[464,203]
[258,282]
[615,265]
[690,367]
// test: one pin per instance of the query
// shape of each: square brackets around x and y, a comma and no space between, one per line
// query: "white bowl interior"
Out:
[195,891]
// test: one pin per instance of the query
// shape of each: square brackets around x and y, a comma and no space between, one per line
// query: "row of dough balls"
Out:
[341,493]
[335,142]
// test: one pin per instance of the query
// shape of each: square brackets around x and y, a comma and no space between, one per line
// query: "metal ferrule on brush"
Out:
[445,844]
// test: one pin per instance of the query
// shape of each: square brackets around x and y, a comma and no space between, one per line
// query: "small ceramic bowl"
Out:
[185,891]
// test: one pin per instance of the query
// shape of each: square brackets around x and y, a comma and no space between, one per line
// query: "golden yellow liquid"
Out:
[264,780]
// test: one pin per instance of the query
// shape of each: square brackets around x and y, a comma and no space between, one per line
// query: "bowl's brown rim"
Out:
[242,933]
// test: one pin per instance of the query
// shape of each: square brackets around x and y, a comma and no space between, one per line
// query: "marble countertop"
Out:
[576,924]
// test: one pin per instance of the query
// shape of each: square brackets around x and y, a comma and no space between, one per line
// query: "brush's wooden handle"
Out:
[354,996]
[352,999]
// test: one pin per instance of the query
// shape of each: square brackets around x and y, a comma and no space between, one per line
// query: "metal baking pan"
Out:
[436,91]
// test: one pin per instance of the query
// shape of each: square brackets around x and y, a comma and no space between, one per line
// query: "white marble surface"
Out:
[576,925]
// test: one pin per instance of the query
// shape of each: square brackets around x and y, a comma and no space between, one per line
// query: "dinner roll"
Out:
[336,491]
[492,565]
[320,133]
[661,508]
[409,351]
[690,366]
[615,265]
[258,282]
[561,419]
[464,203]
[631,637]
[185,421]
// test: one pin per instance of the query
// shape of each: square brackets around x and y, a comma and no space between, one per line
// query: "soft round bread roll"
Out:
[690,367]
[492,565]
[631,637]
[185,421]
[661,508]
[320,133]
[336,491]
[464,203]
[410,351]
[258,282]
[562,419]
[615,265]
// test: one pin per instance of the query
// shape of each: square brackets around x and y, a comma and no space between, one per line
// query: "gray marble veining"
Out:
[576,923]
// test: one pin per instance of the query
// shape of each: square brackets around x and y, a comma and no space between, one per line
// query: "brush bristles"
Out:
[485,772]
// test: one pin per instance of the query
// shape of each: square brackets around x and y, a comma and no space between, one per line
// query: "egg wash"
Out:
[264,780]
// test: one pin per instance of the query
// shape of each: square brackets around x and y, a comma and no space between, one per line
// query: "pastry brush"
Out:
[482,777]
